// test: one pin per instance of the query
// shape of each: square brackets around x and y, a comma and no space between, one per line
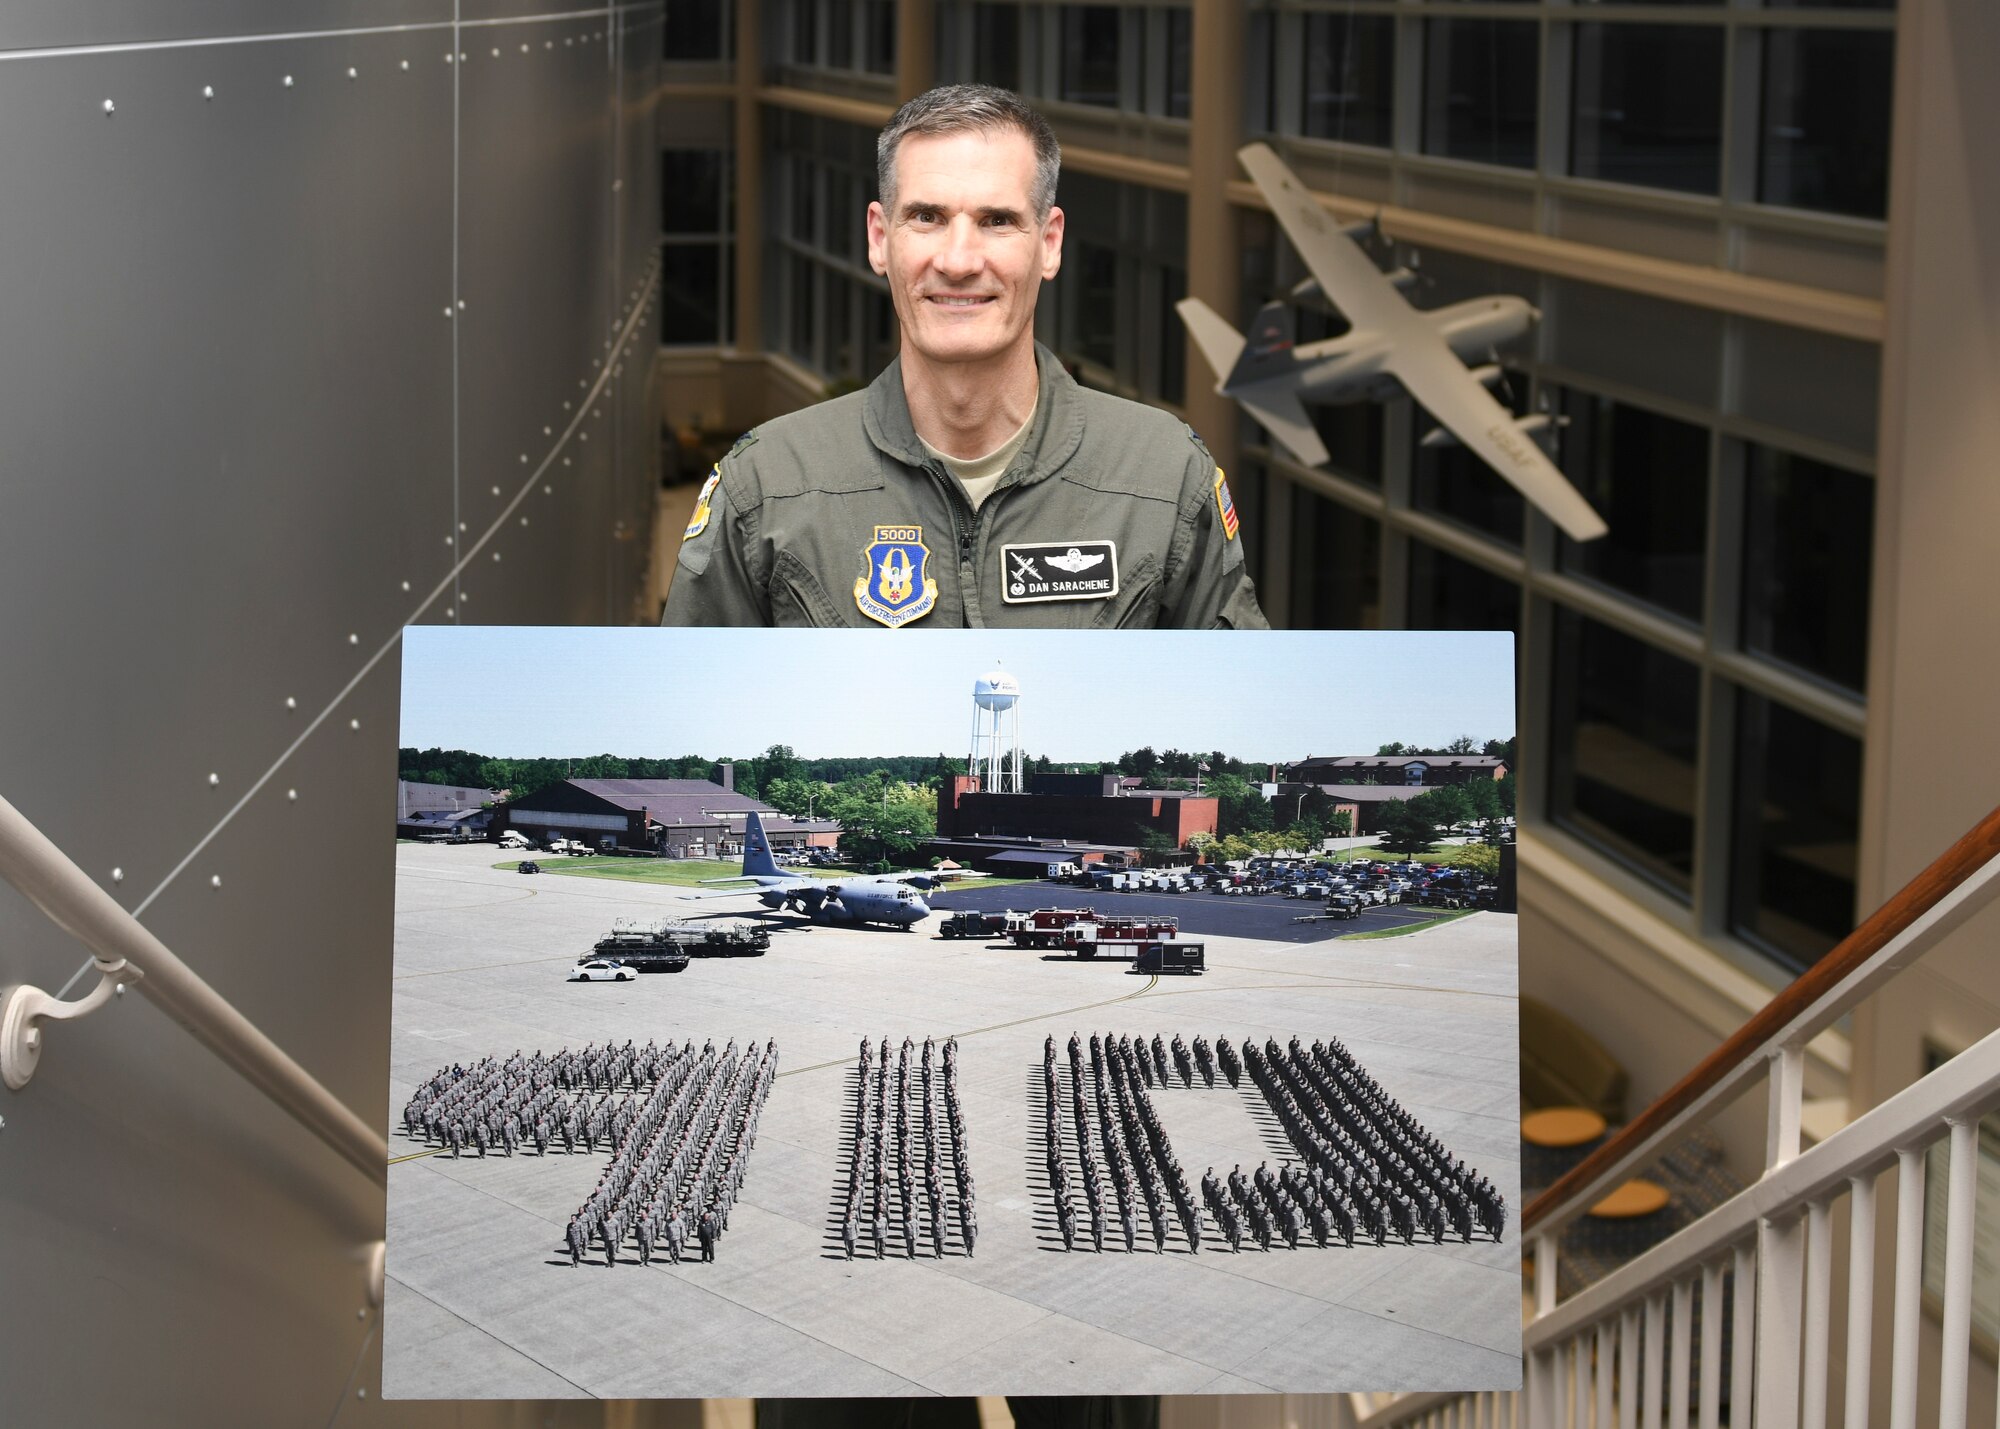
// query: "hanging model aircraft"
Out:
[866,898]
[1391,346]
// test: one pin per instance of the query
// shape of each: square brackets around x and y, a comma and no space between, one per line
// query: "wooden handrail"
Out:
[1979,846]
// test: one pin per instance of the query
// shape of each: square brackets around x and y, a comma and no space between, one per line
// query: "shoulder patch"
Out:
[1195,437]
[1224,507]
[743,441]
[703,509]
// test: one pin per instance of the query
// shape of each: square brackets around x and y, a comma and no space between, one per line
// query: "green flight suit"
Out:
[835,516]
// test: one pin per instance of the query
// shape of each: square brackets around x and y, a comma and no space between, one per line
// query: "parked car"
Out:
[527,865]
[598,970]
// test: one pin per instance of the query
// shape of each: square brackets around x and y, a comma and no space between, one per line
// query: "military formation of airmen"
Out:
[679,1163]
[571,1097]
[1369,1160]
[1145,1175]
[880,1157]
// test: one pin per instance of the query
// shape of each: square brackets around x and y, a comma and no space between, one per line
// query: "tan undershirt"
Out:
[981,474]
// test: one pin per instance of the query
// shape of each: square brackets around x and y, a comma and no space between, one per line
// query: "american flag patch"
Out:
[1225,506]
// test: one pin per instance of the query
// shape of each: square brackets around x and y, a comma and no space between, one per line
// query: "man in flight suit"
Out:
[973,483]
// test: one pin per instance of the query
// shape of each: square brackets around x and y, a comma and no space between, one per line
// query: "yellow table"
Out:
[1637,1197]
[1559,1127]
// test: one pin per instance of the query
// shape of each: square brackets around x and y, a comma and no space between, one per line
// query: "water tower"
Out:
[996,733]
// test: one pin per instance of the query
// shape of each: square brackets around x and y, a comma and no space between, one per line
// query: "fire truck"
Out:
[1044,927]
[1119,929]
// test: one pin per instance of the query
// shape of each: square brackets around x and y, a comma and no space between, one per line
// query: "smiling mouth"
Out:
[947,301]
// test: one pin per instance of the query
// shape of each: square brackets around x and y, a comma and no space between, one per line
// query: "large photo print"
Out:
[977,1012]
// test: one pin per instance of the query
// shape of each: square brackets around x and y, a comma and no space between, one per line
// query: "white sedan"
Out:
[600,971]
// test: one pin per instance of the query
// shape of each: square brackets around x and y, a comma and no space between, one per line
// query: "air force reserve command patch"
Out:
[1059,570]
[1225,508]
[898,587]
[698,522]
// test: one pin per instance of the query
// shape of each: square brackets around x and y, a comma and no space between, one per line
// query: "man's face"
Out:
[962,252]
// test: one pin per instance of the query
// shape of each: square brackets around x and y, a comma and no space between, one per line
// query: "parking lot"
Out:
[1264,917]
[482,1302]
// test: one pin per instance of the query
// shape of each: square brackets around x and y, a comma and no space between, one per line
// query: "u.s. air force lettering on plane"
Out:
[1059,570]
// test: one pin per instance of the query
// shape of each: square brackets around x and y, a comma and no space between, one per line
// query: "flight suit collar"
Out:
[1053,440]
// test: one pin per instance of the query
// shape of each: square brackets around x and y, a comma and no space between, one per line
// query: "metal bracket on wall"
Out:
[26,1008]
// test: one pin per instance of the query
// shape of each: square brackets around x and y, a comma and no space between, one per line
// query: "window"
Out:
[1096,337]
[1480,78]
[1348,62]
[878,18]
[1168,85]
[1825,140]
[996,45]
[697,30]
[1452,482]
[1807,534]
[691,295]
[1646,105]
[1447,593]
[1352,432]
[1623,719]
[1336,565]
[697,257]
[1173,345]
[1647,475]
[1090,54]
[1798,813]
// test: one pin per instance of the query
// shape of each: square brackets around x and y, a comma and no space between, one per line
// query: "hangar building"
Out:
[680,818]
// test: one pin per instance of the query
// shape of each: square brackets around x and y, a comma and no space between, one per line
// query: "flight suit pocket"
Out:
[797,597]
[1137,604]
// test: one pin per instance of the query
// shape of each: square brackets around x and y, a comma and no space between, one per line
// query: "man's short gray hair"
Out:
[957,108]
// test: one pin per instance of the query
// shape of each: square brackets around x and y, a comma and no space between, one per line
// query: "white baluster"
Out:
[1962,1193]
[1655,1349]
[1682,1363]
[1628,1368]
[1819,1312]
[1604,1376]
[1743,1338]
[1909,1288]
[1710,1408]
[1860,1296]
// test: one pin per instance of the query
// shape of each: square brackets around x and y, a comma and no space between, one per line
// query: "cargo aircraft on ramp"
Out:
[1392,347]
[864,898]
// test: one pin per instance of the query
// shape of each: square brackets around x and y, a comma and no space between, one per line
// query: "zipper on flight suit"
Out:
[968,578]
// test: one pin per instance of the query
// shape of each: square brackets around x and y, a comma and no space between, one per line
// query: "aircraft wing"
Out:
[1450,393]
[1347,276]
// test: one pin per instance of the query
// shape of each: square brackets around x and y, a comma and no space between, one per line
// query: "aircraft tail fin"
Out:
[1220,343]
[757,860]
[1268,350]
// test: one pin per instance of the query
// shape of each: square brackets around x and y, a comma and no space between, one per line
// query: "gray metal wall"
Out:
[286,292]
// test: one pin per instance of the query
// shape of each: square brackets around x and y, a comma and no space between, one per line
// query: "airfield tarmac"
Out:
[482,1303]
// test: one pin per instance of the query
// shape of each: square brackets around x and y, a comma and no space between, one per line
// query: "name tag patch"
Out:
[1059,570]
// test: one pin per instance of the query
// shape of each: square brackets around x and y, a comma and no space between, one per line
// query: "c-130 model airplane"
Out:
[1392,345]
[865,898]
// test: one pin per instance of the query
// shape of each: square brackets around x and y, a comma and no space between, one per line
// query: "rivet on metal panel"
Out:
[447,309]
[353,73]
[524,520]
[617,184]
[292,794]
[461,305]
[524,458]
[461,525]
[291,702]
[583,436]
[548,431]
[208,91]
[565,461]
[406,64]
[581,382]
[406,585]
[354,724]
[496,555]
[463,56]
[109,107]
[568,41]
[496,491]
[524,49]
[451,612]
[117,875]
[447,59]
[213,780]
[215,880]
[496,52]
[447,540]
[548,44]
[288,81]
[548,490]
[565,406]
[353,639]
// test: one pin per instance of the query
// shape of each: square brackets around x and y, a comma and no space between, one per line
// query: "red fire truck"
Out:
[1122,929]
